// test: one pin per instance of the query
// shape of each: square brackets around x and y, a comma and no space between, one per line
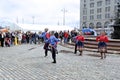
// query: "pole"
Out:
[22,20]
[17,20]
[33,17]
[64,11]
[80,27]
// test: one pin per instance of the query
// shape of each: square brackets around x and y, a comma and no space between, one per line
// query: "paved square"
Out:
[27,62]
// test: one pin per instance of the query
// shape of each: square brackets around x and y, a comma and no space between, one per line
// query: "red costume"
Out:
[80,38]
[47,35]
[102,38]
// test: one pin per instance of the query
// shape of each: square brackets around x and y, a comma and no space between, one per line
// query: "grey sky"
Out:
[44,11]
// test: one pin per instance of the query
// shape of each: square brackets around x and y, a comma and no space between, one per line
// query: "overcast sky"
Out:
[45,11]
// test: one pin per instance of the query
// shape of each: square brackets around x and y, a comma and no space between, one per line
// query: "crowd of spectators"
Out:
[8,39]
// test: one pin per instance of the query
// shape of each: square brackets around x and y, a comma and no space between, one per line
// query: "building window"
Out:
[99,25]
[85,6]
[84,1]
[91,25]
[116,1]
[91,5]
[119,1]
[107,2]
[84,12]
[115,8]
[107,15]
[84,25]
[106,24]
[84,17]
[99,10]
[99,3]
[99,16]
[92,17]
[107,9]
[92,11]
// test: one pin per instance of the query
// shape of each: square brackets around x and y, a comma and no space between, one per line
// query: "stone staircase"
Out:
[90,44]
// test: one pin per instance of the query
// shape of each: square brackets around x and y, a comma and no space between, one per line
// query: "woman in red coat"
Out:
[66,35]
[80,42]
[102,46]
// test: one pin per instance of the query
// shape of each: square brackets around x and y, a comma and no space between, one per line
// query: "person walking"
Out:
[8,39]
[19,37]
[75,41]
[75,49]
[102,45]
[61,36]
[66,35]
[2,36]
[56,34]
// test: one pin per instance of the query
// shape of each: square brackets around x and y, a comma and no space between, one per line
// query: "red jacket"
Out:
[47,35]
[66,35]
[80,38]
[102,38]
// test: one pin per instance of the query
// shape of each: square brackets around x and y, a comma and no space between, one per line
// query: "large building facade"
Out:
[97,14]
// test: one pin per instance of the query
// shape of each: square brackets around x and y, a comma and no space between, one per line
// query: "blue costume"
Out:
[53,42]
[46,43]
[43,35]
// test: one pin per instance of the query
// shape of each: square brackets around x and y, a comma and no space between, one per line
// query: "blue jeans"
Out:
[65,40]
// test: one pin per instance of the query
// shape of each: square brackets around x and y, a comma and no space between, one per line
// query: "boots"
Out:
[80,53]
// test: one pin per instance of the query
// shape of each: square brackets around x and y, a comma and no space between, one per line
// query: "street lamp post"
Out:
[33,17]
[17,20]
[22,20]
[64,11]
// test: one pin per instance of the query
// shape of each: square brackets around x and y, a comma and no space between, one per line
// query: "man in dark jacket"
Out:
[2,39]
[56,34]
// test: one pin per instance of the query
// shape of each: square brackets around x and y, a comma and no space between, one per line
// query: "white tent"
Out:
[36,27]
